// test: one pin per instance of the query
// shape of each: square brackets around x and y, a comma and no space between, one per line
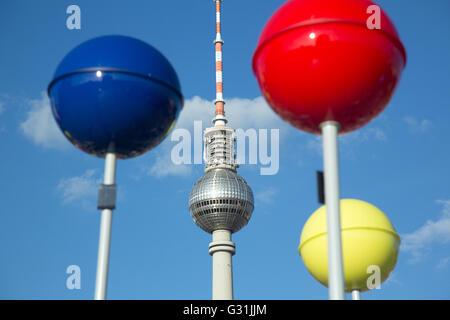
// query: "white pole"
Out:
[222,249]
[332,201]
[356,295]
[105,233]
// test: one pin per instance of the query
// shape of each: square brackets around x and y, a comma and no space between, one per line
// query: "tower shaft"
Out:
[222,249]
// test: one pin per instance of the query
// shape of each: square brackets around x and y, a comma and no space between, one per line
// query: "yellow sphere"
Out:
[368,239]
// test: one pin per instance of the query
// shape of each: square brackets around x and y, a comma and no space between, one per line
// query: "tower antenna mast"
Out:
[219,119]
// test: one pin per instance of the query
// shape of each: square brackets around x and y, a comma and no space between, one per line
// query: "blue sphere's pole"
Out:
[105,233]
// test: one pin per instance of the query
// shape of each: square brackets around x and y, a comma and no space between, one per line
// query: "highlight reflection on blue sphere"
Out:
[115,94]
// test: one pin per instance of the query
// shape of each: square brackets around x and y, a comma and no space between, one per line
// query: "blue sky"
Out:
[48,188]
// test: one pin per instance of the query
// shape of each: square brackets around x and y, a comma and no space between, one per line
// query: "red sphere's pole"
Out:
[336,287]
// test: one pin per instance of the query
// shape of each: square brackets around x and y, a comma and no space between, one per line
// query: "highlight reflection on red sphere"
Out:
[317,61]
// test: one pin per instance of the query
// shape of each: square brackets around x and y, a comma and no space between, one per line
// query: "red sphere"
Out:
[318,61]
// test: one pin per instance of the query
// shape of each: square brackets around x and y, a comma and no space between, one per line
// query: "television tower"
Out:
[221,202]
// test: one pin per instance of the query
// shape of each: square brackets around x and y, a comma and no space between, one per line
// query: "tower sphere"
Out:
[115,94]
[369,244]
[221,200]
[328,60]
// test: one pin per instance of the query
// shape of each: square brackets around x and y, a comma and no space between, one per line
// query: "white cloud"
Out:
[391,280]
[314,144]
[364,135]
[79,188]
[443,263]
[352,139]
[415,125]
[266,196]
[419,242]
[241,113]
[40,127]
[252,113]
[195,109]
[164,166]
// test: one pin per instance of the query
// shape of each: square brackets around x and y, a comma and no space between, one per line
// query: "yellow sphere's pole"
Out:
[331,176]
[356,295]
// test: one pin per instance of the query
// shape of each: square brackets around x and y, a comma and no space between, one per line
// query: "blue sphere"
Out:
[115,94]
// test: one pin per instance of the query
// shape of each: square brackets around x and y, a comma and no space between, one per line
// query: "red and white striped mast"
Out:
[219,119]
